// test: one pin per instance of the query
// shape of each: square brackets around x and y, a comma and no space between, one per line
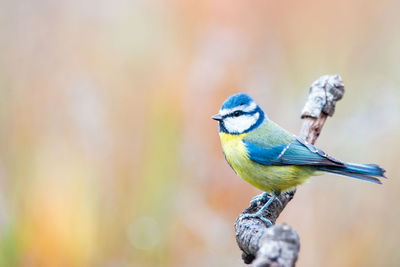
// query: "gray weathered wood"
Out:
[279,245]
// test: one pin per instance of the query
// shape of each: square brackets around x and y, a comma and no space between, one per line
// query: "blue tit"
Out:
[272,159]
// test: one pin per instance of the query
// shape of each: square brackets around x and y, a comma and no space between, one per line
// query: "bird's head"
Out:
[239,114]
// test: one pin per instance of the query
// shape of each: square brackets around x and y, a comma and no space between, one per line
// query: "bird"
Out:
[272,159]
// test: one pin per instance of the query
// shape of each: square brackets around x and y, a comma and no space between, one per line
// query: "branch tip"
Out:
[323,95]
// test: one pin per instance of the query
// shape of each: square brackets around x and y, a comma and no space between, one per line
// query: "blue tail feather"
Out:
[366,172]
[368,169]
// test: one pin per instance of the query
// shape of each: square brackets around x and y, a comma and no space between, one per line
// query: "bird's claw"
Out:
[259,198]
[263,198]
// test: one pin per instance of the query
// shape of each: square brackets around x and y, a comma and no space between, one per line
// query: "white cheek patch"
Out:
[241,123]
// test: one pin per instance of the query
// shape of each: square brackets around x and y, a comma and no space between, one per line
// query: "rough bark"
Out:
[279,245]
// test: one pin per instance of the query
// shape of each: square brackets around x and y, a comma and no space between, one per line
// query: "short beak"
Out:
[217,117]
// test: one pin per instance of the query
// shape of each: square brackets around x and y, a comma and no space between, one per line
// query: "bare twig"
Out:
[279,245]
[324,93]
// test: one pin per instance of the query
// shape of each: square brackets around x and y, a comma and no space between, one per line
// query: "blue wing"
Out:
[297,152]
[282,149]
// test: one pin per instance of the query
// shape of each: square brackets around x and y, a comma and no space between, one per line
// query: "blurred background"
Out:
[108,155]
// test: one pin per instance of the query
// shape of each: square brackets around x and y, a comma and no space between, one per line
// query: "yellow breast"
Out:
[266,178]
[234,148]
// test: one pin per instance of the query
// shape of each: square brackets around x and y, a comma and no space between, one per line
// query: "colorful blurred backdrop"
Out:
[108,154]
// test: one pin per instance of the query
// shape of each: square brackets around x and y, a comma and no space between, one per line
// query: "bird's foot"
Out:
[259,216]
[264,197]
[259,198]
[259,213]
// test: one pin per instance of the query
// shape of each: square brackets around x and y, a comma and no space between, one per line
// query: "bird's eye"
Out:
[236,113]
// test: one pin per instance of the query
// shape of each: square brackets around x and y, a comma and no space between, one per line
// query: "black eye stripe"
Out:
[241,113]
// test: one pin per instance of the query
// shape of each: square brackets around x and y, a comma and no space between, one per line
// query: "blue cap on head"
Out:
[237,100]
[239,114]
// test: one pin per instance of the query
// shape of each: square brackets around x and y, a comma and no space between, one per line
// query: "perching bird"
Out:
[272,159]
